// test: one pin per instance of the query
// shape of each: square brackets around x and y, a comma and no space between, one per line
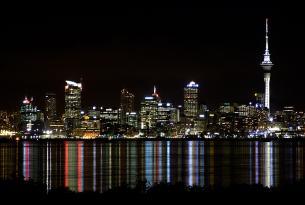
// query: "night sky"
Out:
[111,49]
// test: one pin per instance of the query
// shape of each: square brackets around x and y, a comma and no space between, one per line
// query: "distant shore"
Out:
[161,139]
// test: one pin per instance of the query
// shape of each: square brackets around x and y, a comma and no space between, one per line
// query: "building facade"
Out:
[50,109]
[191,101]
[72,116]
[31,119]
[126,105]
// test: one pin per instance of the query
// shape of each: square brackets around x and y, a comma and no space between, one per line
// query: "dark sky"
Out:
[136,48]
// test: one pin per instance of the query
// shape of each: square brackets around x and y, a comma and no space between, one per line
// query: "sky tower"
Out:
[267,65]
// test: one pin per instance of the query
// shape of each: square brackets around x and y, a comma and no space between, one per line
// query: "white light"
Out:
[73,83]
[193,84]
[149,98]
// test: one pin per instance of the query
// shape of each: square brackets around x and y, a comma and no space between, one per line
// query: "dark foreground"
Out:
[31,192]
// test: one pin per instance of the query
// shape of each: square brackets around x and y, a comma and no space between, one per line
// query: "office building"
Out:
[50,109]
[126,105]
[191,101]
[72,106]
[149,111]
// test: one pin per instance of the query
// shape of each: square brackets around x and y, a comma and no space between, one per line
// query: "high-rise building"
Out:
[132,119]
[72,106]
[127,105]
[259,100]
[149,110]
[191,100]
[167,114]
[91,123]
[30,118]
[50,108]
[267,65]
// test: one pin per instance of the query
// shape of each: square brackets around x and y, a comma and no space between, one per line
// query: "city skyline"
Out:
[136,102]
[150,55]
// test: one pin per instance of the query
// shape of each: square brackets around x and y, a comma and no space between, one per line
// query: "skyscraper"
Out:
[72,106]
[267,65]
[30,122]
[191,100]
[50,108]
[149,110]
[127,104]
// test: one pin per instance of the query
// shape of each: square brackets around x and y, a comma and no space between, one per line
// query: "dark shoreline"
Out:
[36,192]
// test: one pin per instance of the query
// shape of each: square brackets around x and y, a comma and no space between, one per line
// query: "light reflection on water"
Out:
[99,166]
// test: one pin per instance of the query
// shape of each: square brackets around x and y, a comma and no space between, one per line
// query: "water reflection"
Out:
[99,166]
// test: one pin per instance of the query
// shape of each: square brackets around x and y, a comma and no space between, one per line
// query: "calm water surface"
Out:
[99,166]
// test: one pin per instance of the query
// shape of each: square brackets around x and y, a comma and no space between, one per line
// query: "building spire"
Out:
[155,89]
[267,59]
[267,46]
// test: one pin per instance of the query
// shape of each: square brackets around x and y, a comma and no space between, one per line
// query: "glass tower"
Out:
[191,100]
[72,106]
[127,105]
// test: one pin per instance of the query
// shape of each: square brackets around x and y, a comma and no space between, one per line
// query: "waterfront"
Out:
[100,166]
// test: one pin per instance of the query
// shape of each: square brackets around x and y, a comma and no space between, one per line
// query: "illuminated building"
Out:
[50,109]
[259,100]
[72,106]
[226,108]
[8,123]
[132,119]
[110,119]
[30,118]
[267,65]
[90,124]
[149,111]
[127,105]
[166,114]
[179,112]
[191,101]
[245,110]
[109,115]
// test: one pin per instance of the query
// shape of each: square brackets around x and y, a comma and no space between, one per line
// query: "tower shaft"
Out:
[267,89]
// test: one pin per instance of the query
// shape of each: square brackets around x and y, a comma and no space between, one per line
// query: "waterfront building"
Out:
[166,114]
[110,120]
[72,106]
[50,109]
[149,111]
[31,122]
[9,122]
[126,105]
[90,123]
[132,119]
[191,101]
